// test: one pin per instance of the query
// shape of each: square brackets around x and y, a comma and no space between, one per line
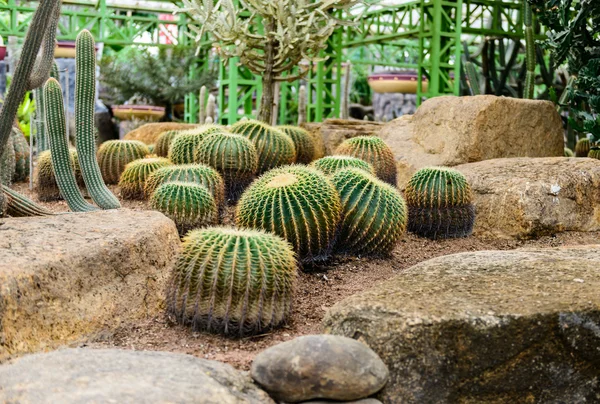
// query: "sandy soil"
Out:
[317,291]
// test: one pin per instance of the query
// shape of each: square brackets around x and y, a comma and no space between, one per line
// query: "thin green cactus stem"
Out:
[530,48]
[202,105]
[21,206]
[85,97]
[61,160]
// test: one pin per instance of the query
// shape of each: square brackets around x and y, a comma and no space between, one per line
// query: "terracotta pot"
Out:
[395,83]
[66,49]
[130,112]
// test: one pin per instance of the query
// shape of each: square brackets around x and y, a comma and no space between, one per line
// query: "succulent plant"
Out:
[304,143]
[374,214]
[151,149]
[329,165]
[164,142]
[234,282]
[134,177]
[20,206]
[114,155]
[594,153]
[194,173]
[21,155]
[183,146]
[233,156]
[569,152]
[7,163]
[188,205]
[439,203]
[373,150]
[582,147]
[274,147]
[46,186]
[297,203]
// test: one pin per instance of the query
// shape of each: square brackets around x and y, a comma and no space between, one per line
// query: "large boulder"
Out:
[73,376]
[531,197]
[335,131]
[150,132]
[67,276]
[449,131]
[485,327]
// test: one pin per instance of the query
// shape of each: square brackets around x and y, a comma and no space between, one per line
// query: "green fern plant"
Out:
[188,205]
[134,177]
[297,203]
[233,156]
[304,143]
[114,155]
[582,148]
[374,151]
[274,147]
[439,203]
[374,214]
[329,165]
[234,282]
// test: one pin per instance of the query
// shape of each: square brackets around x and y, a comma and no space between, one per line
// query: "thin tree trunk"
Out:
[268,79]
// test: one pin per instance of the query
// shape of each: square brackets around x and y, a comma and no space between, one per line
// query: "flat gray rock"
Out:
[319,367]
[74,376]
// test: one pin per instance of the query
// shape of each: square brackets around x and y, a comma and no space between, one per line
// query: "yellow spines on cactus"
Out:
[297,203]
[582,147]
[329,165]
[45,181]
[135,174]
[234,282]
[303,141]
[274,147]
[188,205]
[164,142]
[374,214]
[374,151]
[183,146]
[114,155]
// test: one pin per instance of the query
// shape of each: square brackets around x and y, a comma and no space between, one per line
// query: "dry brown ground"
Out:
[317,291]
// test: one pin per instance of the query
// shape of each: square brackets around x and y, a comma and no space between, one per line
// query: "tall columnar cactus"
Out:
[85,99]
[114,155]
[345,105]
[42,141]
[234,282]
[439,204]
[373,150]
[136,173]
[582,147]
[61,161]
[297,203]
[211,109]
[202,105]
[7,163]
[233,156]
[302,105]
[20,206]
[374,215]
[164,142]
[329,165]
[530,48]
[594,153]
[303,141]
[183,146]
[45,180]
[188,205]
[274,147]
[21,149]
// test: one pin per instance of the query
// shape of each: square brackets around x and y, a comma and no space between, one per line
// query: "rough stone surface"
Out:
[363,401]
[113,376]
[319,366]
[335,131]
[150,132]
[68,276]
[451,130]
[524,197]
[485,327]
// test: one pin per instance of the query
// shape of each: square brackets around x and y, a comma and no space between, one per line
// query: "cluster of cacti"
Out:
[233,156]
[569,152]
[594,153]
[439,203]
[582,147]
[236,282]
[114,155]
[304,143]
[136,173]
[45,180]
[274,147]
[163,143]
[183,145]
[18,205]
[297,203]
[21,155]
[374,151]
[189,205]
[329,165]
[374,213]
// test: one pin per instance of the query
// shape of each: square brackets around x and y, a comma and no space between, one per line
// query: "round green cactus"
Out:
[188,205]
[233,156]
[569,152]
[329,165]
[45,181]
[21,155]
[136,173]
[7,163]
[304,143]
[374,151]
[114,155]
[582,148]
[234,282]
[18,205]
[194,173]
[439,203]
[164,142]
[274,147]
[297,203]
[183,145]
[151,149]
[374,214]
[594,153]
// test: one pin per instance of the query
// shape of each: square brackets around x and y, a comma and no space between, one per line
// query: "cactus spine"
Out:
[233,156]
[297,203]
[329,165]
[373,150]
[304,143]
[230,281]
[134,177]
[201,105]
[302,105]
[20,206]
[439,203]
[582,147]
[274,147]
[530,48]
[85,98]
[374,215]
[114,155]
[61,161]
